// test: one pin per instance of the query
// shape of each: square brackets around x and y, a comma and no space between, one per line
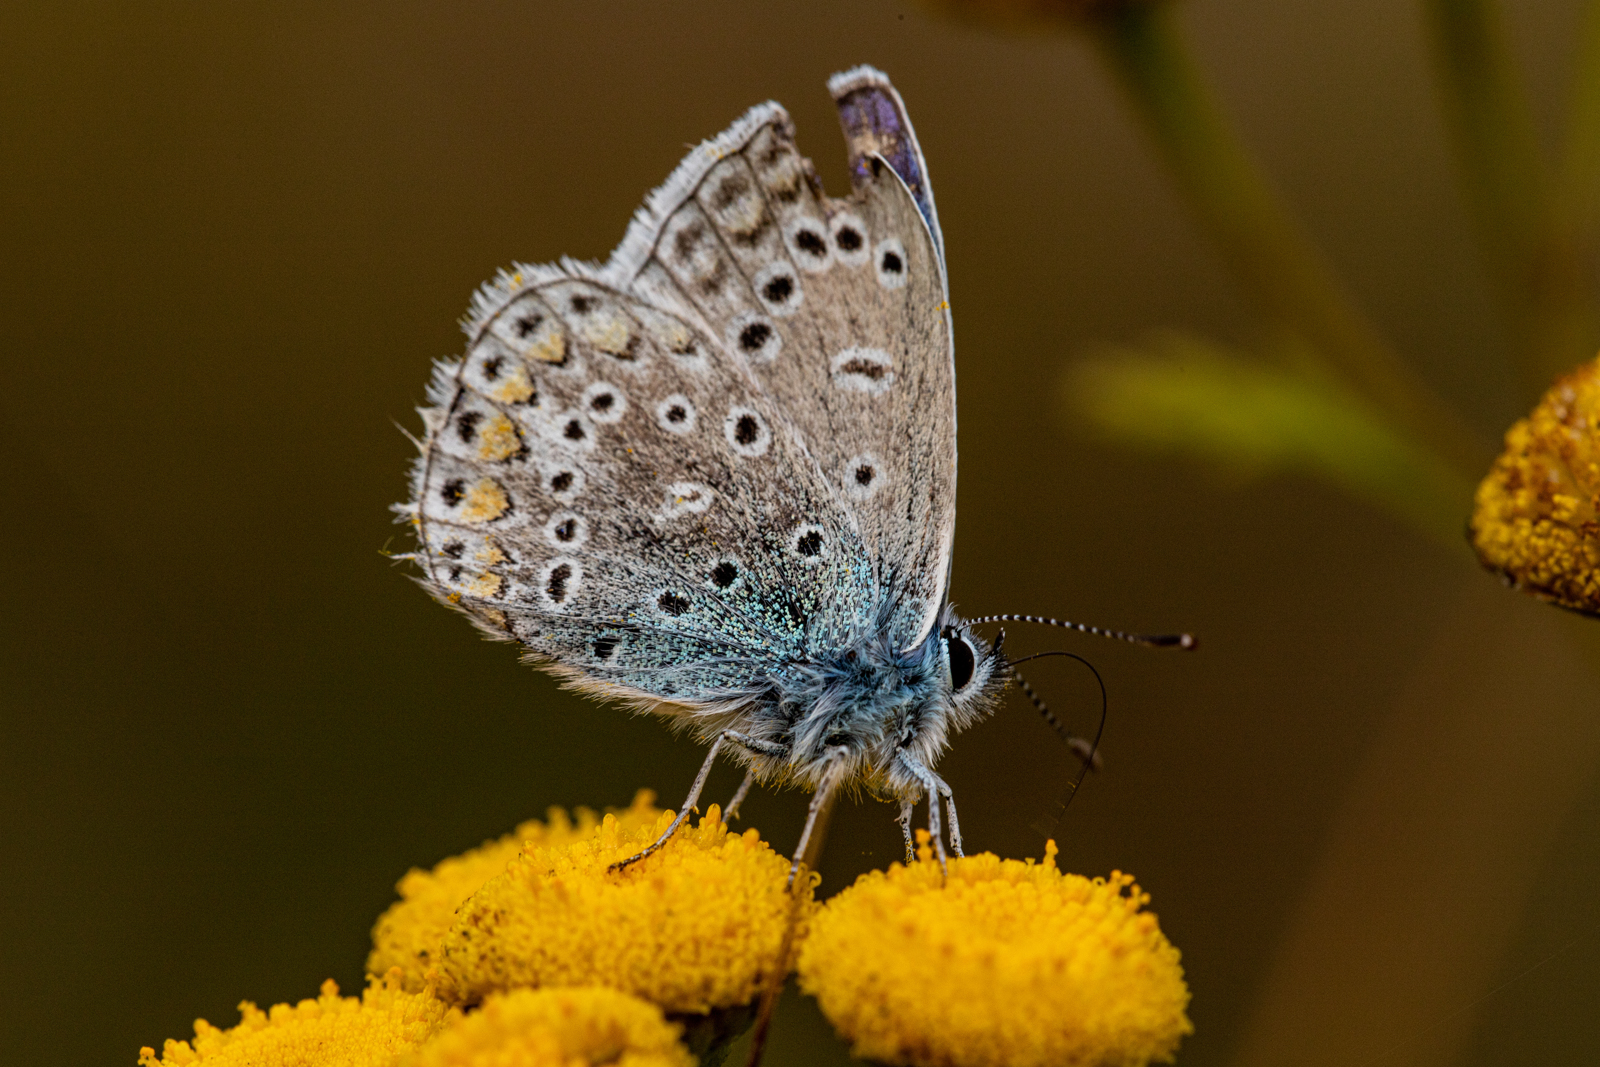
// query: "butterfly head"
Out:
[875,704]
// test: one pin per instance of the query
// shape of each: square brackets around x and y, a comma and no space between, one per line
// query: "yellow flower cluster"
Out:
[693,928]
[558,960]
[330,1031]
[558,1028]
[407,935]
[1537,514]
[999,963]
[388,1027]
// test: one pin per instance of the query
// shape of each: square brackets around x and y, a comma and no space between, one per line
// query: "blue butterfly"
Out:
[714,477]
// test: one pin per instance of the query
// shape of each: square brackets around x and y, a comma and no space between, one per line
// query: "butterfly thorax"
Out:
[882,711]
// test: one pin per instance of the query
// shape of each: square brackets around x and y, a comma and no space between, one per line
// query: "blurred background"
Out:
[235,236]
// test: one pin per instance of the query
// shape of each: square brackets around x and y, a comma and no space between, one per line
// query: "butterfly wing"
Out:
[838,308]
[635,471]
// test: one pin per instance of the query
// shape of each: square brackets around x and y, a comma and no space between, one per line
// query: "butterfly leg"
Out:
[683,812]
[906,808]
[950,810]
[936,789]
[821,800]
[732,810]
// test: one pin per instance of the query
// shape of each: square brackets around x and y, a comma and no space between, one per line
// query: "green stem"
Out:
[1272,254]
[1534,256]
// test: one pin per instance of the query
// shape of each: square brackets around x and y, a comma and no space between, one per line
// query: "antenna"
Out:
[1185,641]
[1087,751]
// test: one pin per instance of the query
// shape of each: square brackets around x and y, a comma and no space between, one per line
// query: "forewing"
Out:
[838,308]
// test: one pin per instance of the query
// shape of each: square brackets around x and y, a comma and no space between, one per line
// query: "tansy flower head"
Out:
[408,934]
[1000,963]
[692,928]
[1537,514]
[330,1031]
[557,1028]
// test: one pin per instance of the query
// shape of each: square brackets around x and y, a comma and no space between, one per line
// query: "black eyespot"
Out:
[556,584]
[604,646]
[779,288]
[491,367]
[467,425]
[676,413]
[753,336]
[453,491]
[809,543]
[566,530]
[810,242]
[561,482]
[453,549]
[746,430]
[603,401]
[864,475]
[527,324]
[849,238]
[582,304]
[455,574]
[963,661]
[573,431]
[892,264]
[724,574]
[672,604]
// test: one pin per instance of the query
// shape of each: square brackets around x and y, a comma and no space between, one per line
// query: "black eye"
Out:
[963,661]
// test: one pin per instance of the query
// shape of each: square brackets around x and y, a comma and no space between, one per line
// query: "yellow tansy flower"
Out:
[1001,963]
[1537,514]
[558,1028]
[330,1031]
[408,934]
[693,928]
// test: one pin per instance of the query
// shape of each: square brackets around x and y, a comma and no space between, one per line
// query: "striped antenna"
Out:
[1187,641]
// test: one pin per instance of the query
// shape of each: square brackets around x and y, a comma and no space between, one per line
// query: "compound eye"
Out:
[963,660]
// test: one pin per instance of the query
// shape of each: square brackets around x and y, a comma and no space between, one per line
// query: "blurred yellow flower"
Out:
[408,934]
[693,928]
[1537,515]
[1001,963]
[557,1028]
[330,1031]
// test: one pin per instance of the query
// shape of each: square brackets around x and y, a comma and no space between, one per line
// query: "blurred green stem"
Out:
[1535,248]
[1273,255]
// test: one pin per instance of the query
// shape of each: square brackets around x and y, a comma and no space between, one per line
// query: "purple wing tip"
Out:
[875,122]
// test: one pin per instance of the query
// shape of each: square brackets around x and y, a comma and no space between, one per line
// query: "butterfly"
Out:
[714,477]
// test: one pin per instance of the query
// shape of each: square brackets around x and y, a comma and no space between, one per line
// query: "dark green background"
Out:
[236,234]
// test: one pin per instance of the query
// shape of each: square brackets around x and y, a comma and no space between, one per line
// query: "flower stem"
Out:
[1533,247]
[1275,258]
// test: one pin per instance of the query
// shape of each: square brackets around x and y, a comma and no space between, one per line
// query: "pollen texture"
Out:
[330,1031]
[1001,963]
[1535,517]
[692,928]
[407,936]
[558,1028]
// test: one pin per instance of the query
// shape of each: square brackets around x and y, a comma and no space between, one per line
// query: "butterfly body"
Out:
[714,478]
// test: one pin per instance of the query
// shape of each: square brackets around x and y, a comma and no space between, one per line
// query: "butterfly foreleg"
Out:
[935,788]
